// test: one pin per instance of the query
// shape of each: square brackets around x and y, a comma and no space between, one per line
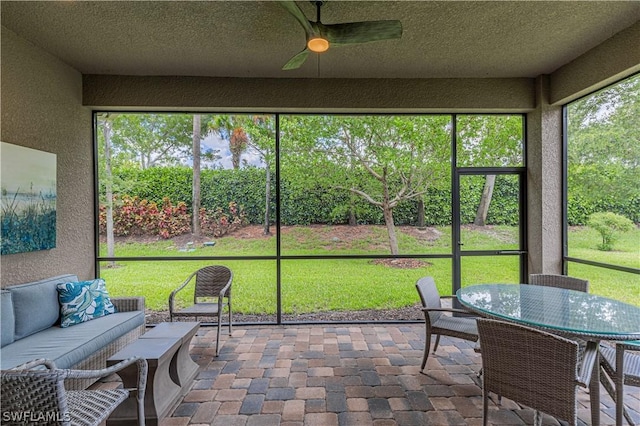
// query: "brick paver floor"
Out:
[344,375]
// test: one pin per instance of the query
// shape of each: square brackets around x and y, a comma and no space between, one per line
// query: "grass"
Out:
[583,244]
[623,286]
[352,284]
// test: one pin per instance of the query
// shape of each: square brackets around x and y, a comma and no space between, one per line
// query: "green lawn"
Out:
[354,284]
[583,244]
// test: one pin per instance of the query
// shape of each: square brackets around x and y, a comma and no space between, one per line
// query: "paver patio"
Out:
[344,375]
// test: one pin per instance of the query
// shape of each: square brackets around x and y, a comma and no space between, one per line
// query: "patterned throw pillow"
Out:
[83,301]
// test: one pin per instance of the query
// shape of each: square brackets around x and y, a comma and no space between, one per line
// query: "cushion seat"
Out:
[466,327]
[199,309]
[68,346]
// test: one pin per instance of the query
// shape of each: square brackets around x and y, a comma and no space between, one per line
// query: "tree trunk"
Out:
[267,204]
[106,131]
[485,201]
[352,201]
[421,222]
[352,216]
[195,201]
[237,145]
[352,210]
[391,229]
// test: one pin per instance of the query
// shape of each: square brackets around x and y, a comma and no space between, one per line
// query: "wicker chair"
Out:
[569,283]
[437,323]
[625,355]
[560,281]
[534,368]
[34,392]
[212,294]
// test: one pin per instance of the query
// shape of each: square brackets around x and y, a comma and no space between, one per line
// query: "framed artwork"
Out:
[28,214]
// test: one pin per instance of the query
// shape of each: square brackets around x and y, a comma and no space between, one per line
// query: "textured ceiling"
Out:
[451,39]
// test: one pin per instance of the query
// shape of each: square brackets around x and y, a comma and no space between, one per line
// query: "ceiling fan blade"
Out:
[293,9]
[361,32]
[297,60]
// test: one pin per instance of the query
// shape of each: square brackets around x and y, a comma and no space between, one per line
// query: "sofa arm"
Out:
[128,304]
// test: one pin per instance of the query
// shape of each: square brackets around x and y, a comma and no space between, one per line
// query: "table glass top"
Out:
[555,308]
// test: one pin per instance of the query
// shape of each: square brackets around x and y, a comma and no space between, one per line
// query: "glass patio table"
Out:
[560,311]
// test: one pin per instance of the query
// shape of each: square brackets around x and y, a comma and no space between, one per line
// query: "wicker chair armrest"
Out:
[128,304]
[588,361]
[453,310]
[29,365]
[96,374]
[224,290]
[141,384]
[174,292]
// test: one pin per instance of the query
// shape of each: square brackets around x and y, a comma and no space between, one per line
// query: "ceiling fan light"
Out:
[318,44]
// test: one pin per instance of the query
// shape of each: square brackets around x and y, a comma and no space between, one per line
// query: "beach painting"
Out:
[28,214]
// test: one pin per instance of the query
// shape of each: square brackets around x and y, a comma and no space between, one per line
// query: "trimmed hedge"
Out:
[304,205]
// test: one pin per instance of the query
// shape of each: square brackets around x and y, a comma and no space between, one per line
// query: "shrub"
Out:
[134,216]
[218,223]
[304,203]
[608,225]
[171,220]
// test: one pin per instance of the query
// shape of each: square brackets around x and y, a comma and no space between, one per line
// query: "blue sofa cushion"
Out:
[68,346]
[83,301]
[35,305]
[7,319]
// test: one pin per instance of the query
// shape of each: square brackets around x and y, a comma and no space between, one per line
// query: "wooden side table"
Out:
[161,392]
[182,369]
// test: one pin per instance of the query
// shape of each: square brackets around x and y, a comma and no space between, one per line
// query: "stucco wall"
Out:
[310,95]
[612,60]
[544,183]
[42,109]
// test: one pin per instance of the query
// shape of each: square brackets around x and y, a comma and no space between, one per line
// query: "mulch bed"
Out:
[410,313]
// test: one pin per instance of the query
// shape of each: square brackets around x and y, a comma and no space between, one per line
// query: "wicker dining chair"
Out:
[560,281]
[627,355]
[438,323]
[34,393]
[566,282]
[533,368]
[211,295]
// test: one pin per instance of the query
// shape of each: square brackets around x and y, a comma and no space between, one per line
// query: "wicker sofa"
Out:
[29,322]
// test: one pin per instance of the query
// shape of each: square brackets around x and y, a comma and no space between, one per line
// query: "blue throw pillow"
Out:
[83,301]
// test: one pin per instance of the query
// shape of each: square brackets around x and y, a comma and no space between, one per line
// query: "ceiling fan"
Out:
[321,36]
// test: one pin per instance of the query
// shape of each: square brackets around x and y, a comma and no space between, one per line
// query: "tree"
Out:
[149,140]
[385,160]
[195,197]
[237,145]
[229,128]
[261,137]
[604,144]
[105,120]
[201,128]
[153,139]
[608,226]
[489,141]
[257,134]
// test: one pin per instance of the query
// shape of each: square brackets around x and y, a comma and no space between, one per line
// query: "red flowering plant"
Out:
[133,216]
[218,222]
